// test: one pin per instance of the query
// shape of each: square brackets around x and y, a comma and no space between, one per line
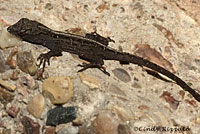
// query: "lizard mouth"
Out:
[11,30]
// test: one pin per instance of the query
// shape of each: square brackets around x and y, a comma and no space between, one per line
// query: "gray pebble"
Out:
[122,74]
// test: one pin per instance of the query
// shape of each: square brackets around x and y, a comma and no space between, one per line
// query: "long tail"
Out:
[128,58]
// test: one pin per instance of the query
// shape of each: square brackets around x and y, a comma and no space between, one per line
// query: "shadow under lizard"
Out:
[92,47]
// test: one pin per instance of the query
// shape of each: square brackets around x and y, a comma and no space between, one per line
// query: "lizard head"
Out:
[23,28]
[19,28]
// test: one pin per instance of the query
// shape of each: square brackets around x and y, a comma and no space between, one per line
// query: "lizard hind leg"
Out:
[93,65]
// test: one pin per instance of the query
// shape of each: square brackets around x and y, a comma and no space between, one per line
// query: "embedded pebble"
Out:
[36,106]
[58,89]
[192,103]
[1,123]
[122,74]
[182,94]
[10,61]
[151,54]
[197,120]
[15,75]
[197,61]
[7,85]
[68,130]
[122,114]
[49,6]
[143,107]
[102,7]
[77,122]
[50,130]
[170,99]
[5,77]
[123,129]
[5,96]
[26,62]
[87,129]
[7,131]
[22,90]
[60,115]
[40,75]
[8,40]
[136,85]
[30,127]
[13,111]
[3,66]
[105,123]
[151,118]
[116,90]
[27,81]
[90,81]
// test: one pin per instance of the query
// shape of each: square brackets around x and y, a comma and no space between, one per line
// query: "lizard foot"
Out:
[43,58]
[99,66]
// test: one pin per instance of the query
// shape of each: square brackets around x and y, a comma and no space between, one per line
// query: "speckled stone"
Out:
[26,62]
[36,106]
[13,111]
[7,85]
[10,59]
[105,123]
[122,114]
[50,130]
[5,96]
[124,129]
[122,75]
[27,81]
[15,75]
[68,130]
[3,66]
[116,90]
[58,89]
[7,131]
[90,81]
[60,115]
[7,40]
[30,127]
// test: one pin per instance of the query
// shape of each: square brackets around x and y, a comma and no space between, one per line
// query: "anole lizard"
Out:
[91,47]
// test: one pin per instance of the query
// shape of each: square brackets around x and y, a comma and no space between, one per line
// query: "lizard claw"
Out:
[104,71]
[43,58]
[82,65]
[110,40]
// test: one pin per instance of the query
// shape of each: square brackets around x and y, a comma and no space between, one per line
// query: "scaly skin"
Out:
[91,47]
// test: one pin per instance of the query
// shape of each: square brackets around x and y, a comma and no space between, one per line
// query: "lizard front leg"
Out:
[43,58]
